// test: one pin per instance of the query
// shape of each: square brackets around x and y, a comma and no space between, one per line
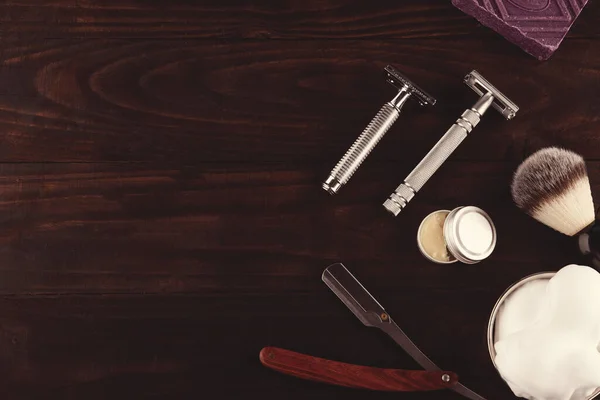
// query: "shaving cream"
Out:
[546,334]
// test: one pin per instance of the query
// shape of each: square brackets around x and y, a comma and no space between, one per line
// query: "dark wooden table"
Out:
[161,212]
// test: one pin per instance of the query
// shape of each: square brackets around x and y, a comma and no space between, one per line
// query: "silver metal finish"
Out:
[400,198]
[461,218]
[502,104]
[491,334]
[398,80]
[453,137]
[584,243]
[361,148]
[446,378]
[376,129]
[368,310]
[491,330]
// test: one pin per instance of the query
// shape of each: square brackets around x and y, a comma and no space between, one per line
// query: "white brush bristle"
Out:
[570,211]
[552,186]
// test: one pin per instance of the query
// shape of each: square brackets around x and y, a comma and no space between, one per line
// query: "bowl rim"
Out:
[494,314]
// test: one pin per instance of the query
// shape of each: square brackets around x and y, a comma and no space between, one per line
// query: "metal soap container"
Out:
[491,334]
[454,226]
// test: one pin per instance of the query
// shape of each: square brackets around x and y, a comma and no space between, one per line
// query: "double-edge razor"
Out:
[489,96]
[376,129]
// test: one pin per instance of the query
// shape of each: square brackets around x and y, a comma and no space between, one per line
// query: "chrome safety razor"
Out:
[489,96]
[376,129]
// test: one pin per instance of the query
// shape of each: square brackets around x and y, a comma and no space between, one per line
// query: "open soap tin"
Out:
[452,231]
[496,309]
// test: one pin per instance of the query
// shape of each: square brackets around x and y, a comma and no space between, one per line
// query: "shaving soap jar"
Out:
[529,291]
[465,234]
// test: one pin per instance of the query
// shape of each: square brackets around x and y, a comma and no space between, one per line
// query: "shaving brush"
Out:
[552,186]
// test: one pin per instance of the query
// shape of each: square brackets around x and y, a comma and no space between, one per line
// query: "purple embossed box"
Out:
[537,26]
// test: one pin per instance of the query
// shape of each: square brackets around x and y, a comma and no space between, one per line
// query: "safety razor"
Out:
[489,96]
[376,129]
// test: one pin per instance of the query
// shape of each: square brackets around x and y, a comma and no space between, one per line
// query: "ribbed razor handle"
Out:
[362,146]
[432,161]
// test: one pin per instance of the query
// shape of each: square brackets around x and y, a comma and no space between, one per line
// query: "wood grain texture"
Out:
[129,228]
[354,376]
[161,212]
[240,19]
[237,19]
[130,273]
[191,102]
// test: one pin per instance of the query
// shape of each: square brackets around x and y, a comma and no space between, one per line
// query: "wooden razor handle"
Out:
[354,376]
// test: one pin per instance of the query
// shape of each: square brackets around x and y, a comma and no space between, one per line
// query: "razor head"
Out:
[501,103]
[399,81]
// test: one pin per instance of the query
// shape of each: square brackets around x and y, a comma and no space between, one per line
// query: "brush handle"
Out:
[589,243]
[354,376]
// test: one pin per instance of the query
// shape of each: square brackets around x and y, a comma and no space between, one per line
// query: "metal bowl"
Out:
[492,321]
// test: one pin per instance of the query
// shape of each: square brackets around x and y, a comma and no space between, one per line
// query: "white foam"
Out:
[521,308]
[548,348]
